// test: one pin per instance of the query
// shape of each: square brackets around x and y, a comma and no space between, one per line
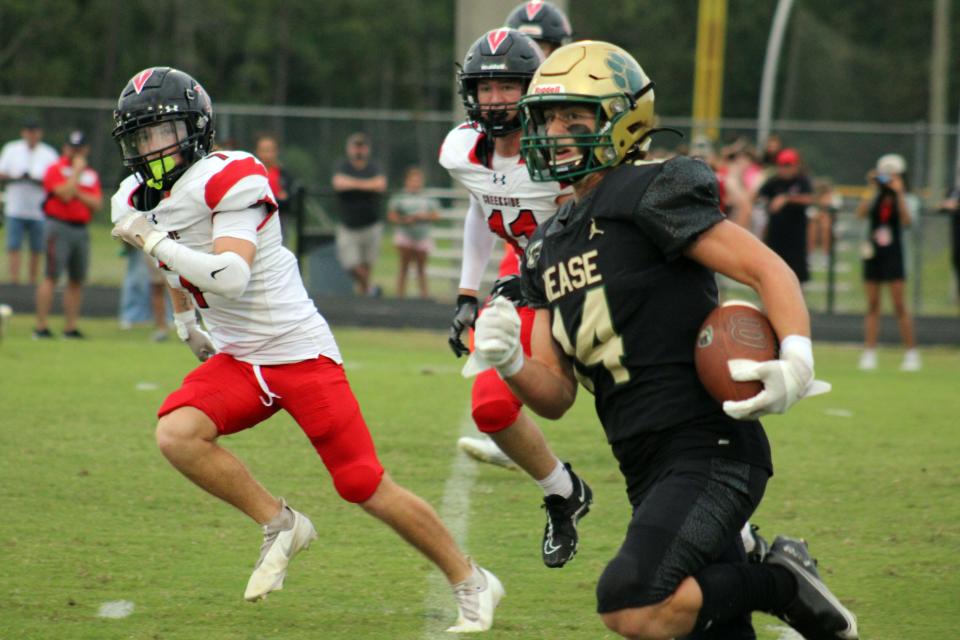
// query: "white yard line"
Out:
[440,610]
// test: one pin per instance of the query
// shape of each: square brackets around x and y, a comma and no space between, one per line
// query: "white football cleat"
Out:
[486,450]
[276,553]
[477,598]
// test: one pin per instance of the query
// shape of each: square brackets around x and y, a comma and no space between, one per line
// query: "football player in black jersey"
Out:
[622,278]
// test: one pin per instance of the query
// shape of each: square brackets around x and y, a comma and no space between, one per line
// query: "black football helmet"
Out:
[501,54]
[542,21]
[164,124]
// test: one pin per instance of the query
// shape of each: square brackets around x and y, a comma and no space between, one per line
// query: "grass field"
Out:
[93,514]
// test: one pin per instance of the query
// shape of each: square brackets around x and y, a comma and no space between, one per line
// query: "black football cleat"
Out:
[760,546]
[815,612]
[560,537]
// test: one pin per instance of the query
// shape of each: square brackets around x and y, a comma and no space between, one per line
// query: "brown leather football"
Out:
[736,329]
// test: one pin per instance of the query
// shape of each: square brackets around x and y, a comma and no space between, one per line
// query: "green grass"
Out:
[93,513]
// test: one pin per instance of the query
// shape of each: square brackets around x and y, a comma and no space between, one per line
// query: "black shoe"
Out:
[560,538]
[74,334]
[760,546]
[42,334]
[815,612]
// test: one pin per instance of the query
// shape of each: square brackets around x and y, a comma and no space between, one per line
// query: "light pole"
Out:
[770,64]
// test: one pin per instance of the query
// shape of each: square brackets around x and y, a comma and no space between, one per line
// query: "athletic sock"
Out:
[730,590]
[558,483]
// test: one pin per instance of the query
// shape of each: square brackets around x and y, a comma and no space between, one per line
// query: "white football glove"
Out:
[496,340]
[785,381]
[135,229]
[196,338]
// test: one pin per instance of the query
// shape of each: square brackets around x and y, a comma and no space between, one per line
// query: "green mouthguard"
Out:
[158,168]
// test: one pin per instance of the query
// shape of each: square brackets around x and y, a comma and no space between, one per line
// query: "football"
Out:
[734,330]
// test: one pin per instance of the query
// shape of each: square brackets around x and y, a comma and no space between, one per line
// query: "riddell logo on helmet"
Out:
[496,38]
[548,88]
[533,8]
[140,80]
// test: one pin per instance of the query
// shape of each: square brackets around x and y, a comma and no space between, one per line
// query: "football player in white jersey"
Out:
[210,220]
[484,156]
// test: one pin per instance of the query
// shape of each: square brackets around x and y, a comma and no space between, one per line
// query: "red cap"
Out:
[788,157]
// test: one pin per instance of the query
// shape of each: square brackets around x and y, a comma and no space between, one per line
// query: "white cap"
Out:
[891,163]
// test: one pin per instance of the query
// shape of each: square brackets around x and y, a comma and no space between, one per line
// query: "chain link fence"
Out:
[312,141]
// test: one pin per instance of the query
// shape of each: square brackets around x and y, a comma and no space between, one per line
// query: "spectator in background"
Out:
[360,184]
[787,196]
[23,163]
[73,196]
[267,149]
[826,204]
[412,212]
[143,296]
[744,177]
[771,150]
[952,206]
[889,207]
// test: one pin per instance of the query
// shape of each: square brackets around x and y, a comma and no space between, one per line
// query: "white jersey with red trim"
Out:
[503,200]
[512,203]
[274,321]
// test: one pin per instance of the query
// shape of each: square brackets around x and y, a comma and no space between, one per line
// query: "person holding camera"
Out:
[888,206]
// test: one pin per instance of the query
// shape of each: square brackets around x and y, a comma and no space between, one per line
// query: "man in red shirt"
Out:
[73,195]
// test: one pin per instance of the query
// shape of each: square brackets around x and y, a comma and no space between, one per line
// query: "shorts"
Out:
[18,227]
[403,241]
[314,392]
[688,518]
[356,247]
[68,247]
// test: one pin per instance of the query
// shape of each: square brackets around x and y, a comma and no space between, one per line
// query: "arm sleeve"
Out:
[680,204]
[477,245]
[226,274]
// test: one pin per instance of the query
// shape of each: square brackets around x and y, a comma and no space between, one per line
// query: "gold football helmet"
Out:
[602,77]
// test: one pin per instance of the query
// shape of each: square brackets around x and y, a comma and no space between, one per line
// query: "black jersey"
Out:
[626,304]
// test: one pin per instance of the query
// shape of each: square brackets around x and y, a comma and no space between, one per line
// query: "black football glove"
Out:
[463,319]
[509,287]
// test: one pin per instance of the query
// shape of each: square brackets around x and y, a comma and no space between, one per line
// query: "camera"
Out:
[882,179]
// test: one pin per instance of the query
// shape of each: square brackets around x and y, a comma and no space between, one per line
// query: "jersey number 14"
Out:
[598,343]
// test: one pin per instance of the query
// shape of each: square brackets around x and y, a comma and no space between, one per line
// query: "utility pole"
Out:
[708,76]
[939,76]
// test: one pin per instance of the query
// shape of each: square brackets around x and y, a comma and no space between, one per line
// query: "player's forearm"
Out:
[226,274]
[783,301]
[547,392]
[179,300]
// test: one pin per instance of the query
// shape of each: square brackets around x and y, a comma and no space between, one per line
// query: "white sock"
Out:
[558,483]
[748,542]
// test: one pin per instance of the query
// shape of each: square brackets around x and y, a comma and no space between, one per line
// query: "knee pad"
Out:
[494,407]
[357,482]
[496,414]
